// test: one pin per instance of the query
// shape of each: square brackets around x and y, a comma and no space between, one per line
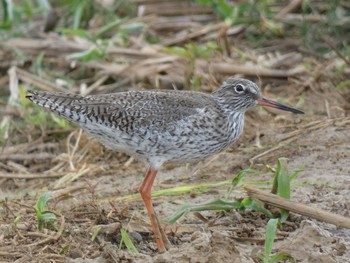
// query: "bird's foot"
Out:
[165,239]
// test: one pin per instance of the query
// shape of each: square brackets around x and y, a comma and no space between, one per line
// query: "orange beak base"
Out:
[273,104]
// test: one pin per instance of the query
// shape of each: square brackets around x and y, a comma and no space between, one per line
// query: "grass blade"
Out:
[255,206]
[178,190]
[95,233]
[217,204]
[281,257]
[128,242]
[7,14]
[48,216]
[296,173]
[269,238]
[237,180]
[283,179]
[283,184]
[41,202]
[109,27]
[78,14]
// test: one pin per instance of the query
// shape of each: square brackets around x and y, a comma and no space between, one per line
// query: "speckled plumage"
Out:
[156,126]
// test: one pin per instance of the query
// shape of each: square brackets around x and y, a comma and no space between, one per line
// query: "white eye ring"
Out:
[239,88]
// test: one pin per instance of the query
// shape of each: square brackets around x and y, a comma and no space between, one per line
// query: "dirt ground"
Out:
[94,191]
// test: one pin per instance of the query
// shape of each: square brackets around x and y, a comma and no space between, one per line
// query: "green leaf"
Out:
[28,8]
[196,82]
[64,250]
[283,184]
[75,32]
[224,9]
[48,216]
[7,14]
[296,173]
[17,219]
[217,204]
[283,178]
[237,180]
[132,27]
[62,123]
[255,206]
[180,51]
[41,202]
[205,2]
[107,28]
[269,238]
[96,231]
[78,14]
[281,256]
[275,179]
[128,242]
[87,55]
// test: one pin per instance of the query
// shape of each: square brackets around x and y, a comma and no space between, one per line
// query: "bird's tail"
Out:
[60,103]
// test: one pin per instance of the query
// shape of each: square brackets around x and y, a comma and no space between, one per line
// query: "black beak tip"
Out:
[299,111]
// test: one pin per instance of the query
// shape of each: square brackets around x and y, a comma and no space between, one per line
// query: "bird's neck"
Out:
[234,117]
[235,125]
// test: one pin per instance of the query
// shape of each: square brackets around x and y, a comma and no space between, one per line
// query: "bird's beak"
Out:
[273,104]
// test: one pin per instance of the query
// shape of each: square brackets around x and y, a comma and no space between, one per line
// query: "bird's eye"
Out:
[239,88]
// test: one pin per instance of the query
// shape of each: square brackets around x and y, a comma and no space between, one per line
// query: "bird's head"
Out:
[242,94]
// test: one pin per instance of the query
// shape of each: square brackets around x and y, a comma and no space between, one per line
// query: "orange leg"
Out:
[145,191]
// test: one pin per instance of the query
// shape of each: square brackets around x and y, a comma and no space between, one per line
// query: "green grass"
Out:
[281,184]
[44,217]
[269,240]
[128,242]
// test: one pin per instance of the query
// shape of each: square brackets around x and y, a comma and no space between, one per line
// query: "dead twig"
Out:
[29,176]
[37,81]
[10,254]
[200,32]
[51,238]
[332,45]
[293,5]
[29,156]
[294,18]
[299,208]
[58,194]
[14,97]
[247,70]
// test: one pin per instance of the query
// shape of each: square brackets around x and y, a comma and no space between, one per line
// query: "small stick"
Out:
[50,238]
[198,33]
[302,209]
[293,5]
[333,46]
[29,78]
[29,176]
[27,156]
[249,70]
[57,194]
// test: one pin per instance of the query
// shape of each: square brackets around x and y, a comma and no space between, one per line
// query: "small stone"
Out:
[136,237]
[75,253]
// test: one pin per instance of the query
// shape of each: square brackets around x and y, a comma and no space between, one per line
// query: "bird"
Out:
[160,126]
